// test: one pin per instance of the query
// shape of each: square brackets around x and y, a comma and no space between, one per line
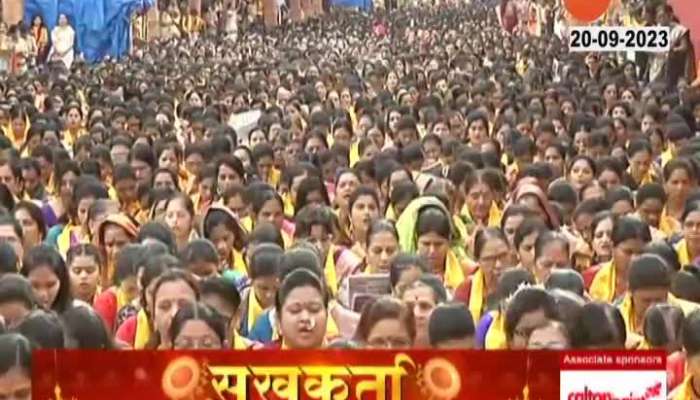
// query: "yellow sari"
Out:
[683,253]
[143,330]
[603,285]
[254,309]
[496,335]
[477,296]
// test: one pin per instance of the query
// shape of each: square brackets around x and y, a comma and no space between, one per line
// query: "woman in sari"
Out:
[41,37]
[63,42]
[492,254]
[611,279]
[690,388]
[425,227]
[301,290]
[688,248]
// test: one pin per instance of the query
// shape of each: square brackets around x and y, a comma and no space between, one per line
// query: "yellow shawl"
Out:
[238,342]
[649,177]
[288,204]
[627,310]
[495,215]
[10,133]
[496,335]
[69,138]
[683,253]
[274,178]
[603,285]
[143,330]
[454,274]
[238,262]
[354,153]
[685,391]
[63,241]
[329,271]
[668,224]
[476,296]
[254,308]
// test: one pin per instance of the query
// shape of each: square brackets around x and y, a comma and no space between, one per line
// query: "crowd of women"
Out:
[444,184]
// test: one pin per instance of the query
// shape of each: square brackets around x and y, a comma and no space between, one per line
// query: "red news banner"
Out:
[341,375]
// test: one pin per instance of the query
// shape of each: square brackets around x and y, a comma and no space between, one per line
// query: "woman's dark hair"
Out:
[43,256]
[35,213]
[199,250]
[680,163]
[449,322]
[216,217]
[379,226]
[648,271]
[626,228]
[363,191]
[86,250]
[15,351]
[380,309]
[690,206]
[404,191]
[600,325]
[483,236]
[63,168]
[545,238]
[307,186]
[9,262]
[299,277]
[85,330]
[620,193]
[198,312]
[433,220]
[127,262]
[266,233]
[265,260]
[16,288]
[566,279]
[527,300]
[587,159]
[686,284]
[260,193]
[404,261]
[662,325]
[170,173]
[510,281]
[515,210]
[43,329]
[186,201]
[691,334]
[528,227]
[223,288]
[160,232]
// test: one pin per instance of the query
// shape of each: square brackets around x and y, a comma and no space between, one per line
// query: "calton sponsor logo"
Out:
[613,385]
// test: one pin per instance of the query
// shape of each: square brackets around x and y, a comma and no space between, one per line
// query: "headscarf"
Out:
[526,187]
[130,227]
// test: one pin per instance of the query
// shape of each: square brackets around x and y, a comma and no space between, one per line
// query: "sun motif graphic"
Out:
[439,380]
[181,377]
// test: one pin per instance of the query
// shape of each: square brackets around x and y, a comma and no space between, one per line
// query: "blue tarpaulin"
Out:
[365,5]
[102,27]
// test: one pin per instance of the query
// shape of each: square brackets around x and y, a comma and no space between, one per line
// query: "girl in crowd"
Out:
[48,275]
[426,227]
[179,216]
[386,323]
[223,229]
[172,291]
[84,268]
[31,219]
[492,256]
[196,326]
[302,311]
[610,280]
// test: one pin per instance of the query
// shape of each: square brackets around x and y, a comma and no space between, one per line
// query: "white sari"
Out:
[63,43]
